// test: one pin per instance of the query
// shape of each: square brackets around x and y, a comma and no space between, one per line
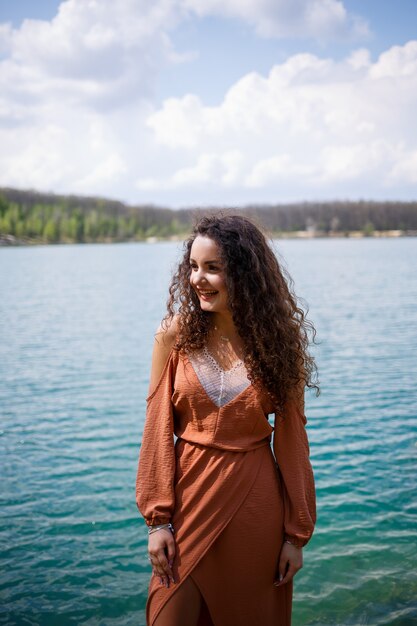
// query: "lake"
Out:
[76,332]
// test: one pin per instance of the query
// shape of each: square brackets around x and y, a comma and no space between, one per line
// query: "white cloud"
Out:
[35,157]
[75,92]
[405,168]
[346,162]
[276,169]
[178,123]
[6,32]
[209,167]
[359,59]
[107,171]
[103,53]
[222,168]
[94,54]
[314,121]
[321,19]
[396,62]
[76,110]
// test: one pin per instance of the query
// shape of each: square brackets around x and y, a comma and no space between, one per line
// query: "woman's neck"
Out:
[225,341]
[223,326]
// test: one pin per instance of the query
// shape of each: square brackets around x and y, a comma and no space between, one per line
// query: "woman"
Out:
[227,517]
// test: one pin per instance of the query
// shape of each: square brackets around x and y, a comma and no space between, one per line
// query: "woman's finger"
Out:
[289,574]
[162,568]
[165,566]
[159,573]
[158,566]
[171,550]
[283,566]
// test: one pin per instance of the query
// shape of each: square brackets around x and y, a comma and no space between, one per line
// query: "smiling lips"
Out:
[206,295]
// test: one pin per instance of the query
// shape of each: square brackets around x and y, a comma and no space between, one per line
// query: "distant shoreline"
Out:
[11,240]
[34,218]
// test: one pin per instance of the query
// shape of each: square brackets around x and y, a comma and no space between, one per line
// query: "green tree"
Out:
[5,225]
[50,232]
[91,226]
[74,226]
[368,229]
[34,226]
[153,231]
[20,228]
[3,205]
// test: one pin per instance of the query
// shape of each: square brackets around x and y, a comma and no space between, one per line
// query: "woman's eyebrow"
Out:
[206,262]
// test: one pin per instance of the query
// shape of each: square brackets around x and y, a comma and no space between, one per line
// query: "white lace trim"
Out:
[221,386]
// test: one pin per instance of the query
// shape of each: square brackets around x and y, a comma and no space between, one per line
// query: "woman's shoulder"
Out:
[166,333]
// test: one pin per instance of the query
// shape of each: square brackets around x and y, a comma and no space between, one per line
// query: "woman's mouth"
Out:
[207,295]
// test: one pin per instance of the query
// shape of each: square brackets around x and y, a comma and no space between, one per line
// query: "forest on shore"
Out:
[32,217]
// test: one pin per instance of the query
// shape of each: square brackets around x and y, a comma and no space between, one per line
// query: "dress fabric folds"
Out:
[231,501]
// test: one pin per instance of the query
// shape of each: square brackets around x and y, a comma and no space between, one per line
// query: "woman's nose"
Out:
[199,276]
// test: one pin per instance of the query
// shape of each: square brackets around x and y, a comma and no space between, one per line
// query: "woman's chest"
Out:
[224,404]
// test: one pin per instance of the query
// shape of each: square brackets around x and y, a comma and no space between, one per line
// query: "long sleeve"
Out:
[156,467]
[292,453]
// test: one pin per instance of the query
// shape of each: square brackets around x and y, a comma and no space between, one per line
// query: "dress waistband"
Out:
[226,448]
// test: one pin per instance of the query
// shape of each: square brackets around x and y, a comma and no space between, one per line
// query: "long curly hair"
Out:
[273,327]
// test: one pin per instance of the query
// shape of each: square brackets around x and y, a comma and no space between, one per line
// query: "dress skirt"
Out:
[228,539]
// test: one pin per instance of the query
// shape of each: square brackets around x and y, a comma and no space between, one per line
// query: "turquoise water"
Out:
[76,326]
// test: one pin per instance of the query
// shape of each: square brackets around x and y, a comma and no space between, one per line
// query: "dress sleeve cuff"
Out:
[157,521]
[298,543]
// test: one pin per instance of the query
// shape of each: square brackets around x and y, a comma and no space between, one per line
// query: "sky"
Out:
[210,102]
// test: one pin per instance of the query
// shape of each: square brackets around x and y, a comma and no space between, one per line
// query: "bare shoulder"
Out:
[166,333]
[165,337]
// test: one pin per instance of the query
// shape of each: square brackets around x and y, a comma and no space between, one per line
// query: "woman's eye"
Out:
[211,268]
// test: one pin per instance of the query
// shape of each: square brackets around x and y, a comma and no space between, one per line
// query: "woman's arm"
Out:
[292,454]
[156,468]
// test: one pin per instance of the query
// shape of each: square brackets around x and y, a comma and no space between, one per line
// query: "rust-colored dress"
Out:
[230,503]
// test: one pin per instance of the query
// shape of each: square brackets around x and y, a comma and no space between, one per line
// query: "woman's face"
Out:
[208,275]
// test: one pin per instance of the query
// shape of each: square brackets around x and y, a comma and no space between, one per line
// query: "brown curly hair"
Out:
[273,328]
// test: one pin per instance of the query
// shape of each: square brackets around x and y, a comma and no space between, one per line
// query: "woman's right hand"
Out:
[161,549]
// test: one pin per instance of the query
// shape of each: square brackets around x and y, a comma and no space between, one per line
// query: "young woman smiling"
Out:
[227,514]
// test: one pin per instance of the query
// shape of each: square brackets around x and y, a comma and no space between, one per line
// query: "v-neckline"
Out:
[223,406]
[217,365]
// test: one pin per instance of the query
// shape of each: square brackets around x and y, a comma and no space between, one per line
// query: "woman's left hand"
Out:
[290,561]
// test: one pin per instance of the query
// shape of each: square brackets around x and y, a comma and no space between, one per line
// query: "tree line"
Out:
[29,216]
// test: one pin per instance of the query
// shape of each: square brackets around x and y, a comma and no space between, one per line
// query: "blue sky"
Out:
[200,102]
